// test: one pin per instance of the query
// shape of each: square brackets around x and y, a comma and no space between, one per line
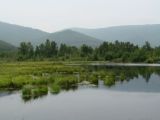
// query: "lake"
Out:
[134,98]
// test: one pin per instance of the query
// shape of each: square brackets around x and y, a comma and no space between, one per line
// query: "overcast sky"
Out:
[53,15]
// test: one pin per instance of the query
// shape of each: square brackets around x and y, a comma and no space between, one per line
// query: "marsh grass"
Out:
[27,92]
[39,91]
[34,78]
[55,89]
[32,92]
[93,78]
[109,81]
[5,81]
[18,74]
[102,74]
[66,81]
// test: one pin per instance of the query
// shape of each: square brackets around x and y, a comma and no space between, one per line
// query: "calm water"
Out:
[136,98]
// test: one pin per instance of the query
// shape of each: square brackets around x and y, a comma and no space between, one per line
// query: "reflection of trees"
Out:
[147,77]
[129,72]
[109,75]
[30,97]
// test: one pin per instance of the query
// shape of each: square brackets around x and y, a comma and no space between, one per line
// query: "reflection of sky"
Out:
[84,104]
[138,101]
[138,85]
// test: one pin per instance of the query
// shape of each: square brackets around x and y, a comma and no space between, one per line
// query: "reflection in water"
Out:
[138,101]
[119,78]
[40,92]
[132,73]
[84,104]
[129,72]
[136,85]
[4,93]
[131,79]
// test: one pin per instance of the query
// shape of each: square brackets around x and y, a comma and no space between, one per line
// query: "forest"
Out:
[107,51]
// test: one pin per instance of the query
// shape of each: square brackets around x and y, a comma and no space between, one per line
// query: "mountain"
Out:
[136,34]
[15,34]
[4,46]
[72,38]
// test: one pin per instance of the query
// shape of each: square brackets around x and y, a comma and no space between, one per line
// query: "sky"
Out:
[54,15]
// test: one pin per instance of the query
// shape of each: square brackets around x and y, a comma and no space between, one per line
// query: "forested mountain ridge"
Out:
[72,38]
[4,46]
[15,34]
[137,34]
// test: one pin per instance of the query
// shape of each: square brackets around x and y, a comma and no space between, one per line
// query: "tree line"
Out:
[107,51]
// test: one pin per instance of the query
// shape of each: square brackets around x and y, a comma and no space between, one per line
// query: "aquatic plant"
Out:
[27,92]
[93,78]
[66,81]
[102,74]
[109,80]
[39,91]
[31,92]
[122,77]
[55,89]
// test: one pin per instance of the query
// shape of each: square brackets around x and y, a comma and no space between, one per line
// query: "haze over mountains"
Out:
[16,34]
[137,34]
[4,46]
[72,38]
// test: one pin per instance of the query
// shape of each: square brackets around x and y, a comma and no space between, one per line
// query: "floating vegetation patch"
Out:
[31,92]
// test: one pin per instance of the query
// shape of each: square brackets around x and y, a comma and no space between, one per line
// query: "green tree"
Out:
[53,49]
[86,50]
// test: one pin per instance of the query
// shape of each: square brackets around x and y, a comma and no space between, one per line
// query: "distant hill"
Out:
[136,34]
[72,38]
[6,46]
[15,34]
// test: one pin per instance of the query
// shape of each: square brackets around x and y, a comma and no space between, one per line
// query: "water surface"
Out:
[136,98]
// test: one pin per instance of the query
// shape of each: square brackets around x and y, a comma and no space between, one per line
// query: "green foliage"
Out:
[26,51]
[122,77]
[107,51]
[66,81]
[86,50]
[30,92]
[34,78]
[93,78]
[109,81]
[5,81]
[55,89]
[27,92]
